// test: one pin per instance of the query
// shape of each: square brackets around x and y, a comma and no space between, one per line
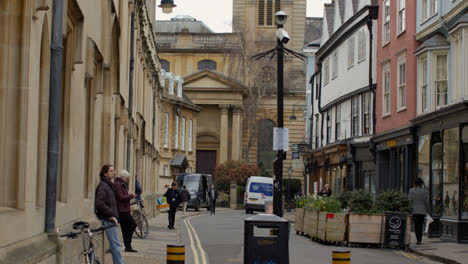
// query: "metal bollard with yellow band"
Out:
[175,254]
[341,257]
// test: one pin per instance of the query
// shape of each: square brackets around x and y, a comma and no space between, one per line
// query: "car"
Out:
[258,190]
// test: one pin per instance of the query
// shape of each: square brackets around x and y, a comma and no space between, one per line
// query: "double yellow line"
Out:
[194,236]
[411,256]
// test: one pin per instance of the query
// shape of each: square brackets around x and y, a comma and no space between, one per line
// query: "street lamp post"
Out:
[167,6]
[282,37]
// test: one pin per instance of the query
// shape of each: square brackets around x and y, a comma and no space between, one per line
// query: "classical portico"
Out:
[220,122]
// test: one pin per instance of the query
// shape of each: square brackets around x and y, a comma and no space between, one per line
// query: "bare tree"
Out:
[257,75]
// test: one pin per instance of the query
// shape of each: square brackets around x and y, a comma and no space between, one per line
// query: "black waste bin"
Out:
[266,240]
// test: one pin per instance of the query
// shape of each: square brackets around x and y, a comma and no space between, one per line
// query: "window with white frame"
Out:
[441,80]
[182,134]
[401,15]
[355,115]
[329,126]
[351,51]
[165,171]
[166,130]
[429,8]
[386,21]
[401,78]
[423,82]
[366,115]
[190,135]
[335,64]
[326,71]
[362,45]
[176,132]
[386,90]
[338,122]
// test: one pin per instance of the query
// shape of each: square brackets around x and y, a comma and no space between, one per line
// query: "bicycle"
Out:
[139,216]
[86,234]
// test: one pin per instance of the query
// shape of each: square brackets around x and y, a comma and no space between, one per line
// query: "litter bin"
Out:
[266,240]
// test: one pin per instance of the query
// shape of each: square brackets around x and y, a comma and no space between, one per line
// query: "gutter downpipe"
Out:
[56,49]
[130,85]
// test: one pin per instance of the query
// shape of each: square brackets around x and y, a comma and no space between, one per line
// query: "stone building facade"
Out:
[236,93]
[94,122]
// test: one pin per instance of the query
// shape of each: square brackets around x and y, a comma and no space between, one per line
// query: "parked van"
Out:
[198,186]
[258,190]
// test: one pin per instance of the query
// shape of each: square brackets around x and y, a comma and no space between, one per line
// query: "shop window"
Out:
[451,172]
[464,205]
[423,158]
[436,174]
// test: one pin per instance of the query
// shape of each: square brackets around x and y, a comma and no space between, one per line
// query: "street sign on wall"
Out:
[303,148]
[294,147]
[295,155]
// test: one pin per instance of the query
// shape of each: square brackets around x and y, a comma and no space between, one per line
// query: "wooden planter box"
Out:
[335,230]
[322,225]
[299,221]
[365,228]
[310,223]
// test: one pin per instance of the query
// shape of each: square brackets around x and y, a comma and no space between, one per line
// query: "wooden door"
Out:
[206,161]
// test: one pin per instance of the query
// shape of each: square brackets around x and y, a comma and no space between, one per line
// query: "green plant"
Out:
[312,203]
[300,201]
[264,171]
[392,200]
[233,170]
[344,198]
[361,202]
[331,205]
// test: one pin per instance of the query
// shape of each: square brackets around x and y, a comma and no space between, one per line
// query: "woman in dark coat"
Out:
[123,200]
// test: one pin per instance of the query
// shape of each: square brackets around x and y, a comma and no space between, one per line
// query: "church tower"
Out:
[256,20]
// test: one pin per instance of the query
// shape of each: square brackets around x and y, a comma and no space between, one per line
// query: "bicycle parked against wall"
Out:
[139,215]
[88,254]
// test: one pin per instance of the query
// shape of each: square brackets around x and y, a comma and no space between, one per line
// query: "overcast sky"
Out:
[217,14]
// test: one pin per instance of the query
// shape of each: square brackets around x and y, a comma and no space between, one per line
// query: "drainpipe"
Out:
[371,37]
[54,114]
[130,85]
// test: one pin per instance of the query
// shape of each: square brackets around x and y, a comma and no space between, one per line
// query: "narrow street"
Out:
[218,239]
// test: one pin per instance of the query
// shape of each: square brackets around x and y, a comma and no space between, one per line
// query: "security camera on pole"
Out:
[281,134]
[282,36]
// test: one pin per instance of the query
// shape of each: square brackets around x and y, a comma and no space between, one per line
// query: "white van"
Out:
[257,190]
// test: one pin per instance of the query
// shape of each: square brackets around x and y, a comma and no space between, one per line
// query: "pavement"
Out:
[153,248]
[432,248]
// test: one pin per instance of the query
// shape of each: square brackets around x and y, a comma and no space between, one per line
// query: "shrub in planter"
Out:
[330,205]
[344,199]
[300,201]
[392,200]
[361,202]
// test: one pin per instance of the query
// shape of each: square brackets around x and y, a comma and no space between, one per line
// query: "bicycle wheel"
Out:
[142,224]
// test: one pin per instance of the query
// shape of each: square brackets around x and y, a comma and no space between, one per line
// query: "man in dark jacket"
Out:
[185,197]
[106,210]
[127,223]
[173,199]
[212,195]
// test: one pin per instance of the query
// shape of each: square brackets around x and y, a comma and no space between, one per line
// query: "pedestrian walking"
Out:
[173,199]
[127,223]
[419,198]
[325,191]
[185,197]
[213,195]
[106,210]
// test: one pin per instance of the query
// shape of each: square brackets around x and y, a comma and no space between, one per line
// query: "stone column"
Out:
[233,195]
[236,132]
[223,139]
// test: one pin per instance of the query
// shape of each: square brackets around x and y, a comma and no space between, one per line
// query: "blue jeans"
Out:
[114,242]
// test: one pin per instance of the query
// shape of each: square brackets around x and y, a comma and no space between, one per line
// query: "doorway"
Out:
[206,161]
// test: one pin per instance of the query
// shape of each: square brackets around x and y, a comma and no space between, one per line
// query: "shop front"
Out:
[396,158]
[360,163]
[327,166]
[443,165]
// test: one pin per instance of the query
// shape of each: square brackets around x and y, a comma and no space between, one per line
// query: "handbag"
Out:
[428,221]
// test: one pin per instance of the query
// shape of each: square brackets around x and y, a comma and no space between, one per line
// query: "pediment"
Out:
[207,80]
